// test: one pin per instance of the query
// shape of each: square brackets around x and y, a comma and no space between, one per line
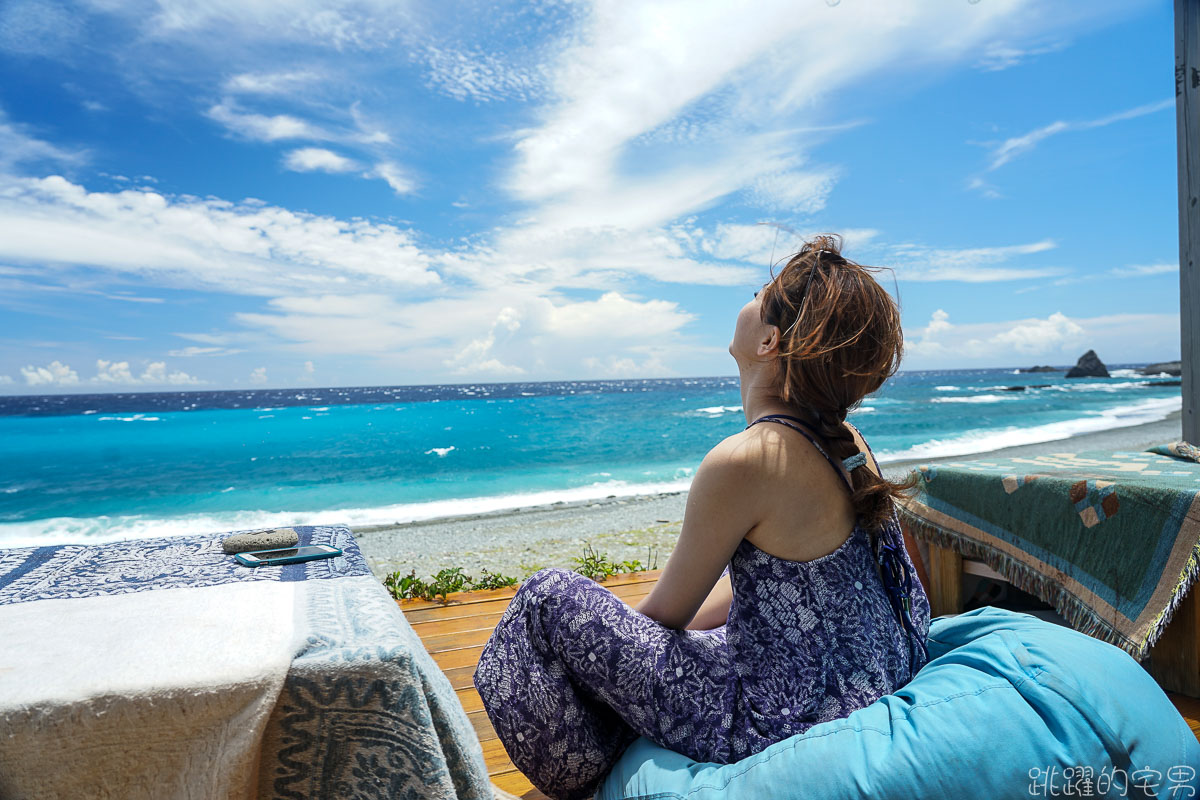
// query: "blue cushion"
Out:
[1005,697]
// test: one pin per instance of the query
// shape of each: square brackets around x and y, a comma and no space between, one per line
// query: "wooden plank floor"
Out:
[456,632]
[455,635]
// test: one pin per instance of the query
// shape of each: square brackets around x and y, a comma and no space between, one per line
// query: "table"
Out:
[1110,539]
[161,668]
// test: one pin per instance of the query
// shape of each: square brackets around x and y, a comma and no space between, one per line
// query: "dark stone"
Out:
[1013,389]
[1169,367]
[1041,369]
[1165,383]
[1088,366]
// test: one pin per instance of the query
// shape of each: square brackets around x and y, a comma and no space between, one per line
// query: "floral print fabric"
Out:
[572,675]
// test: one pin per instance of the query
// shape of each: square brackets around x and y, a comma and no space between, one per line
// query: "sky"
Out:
[219,194]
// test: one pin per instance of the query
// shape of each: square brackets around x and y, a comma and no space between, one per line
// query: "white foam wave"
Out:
[978,398]
[946,389]
[97,530]
[134,418]
[441,451]
[716,411]
[863,410]
[986,441]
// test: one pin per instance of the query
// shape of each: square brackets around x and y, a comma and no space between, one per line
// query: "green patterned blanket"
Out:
[1111,540]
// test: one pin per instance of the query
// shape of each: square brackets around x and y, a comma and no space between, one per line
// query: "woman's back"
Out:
[811,640]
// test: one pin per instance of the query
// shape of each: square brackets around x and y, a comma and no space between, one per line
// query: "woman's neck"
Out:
[760,394]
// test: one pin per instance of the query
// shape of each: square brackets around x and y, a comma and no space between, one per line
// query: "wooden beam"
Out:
[1187,106]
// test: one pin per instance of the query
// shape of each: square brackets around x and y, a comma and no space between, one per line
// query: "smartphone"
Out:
[286,555]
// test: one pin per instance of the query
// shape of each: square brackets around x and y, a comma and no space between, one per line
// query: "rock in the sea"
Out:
[1040,369]
[1169,367]
[1089,365]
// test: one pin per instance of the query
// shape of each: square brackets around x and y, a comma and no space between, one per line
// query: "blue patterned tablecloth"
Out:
[363,711]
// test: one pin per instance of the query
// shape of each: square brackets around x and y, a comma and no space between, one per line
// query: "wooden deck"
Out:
[456,633]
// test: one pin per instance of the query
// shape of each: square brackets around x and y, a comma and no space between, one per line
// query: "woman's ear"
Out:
[769,344]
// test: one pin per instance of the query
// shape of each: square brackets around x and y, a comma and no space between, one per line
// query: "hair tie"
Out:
[854,462]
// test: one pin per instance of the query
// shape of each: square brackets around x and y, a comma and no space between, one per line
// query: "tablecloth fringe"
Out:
[1078,614]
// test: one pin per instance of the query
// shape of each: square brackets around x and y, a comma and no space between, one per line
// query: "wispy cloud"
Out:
[268,83]
[1009,149]
[1005,55]
[18,145]
[1143,270]
[970,265]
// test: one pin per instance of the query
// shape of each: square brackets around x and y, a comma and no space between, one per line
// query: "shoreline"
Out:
[519,541]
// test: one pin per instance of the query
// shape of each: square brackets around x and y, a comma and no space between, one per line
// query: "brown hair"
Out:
[841,340]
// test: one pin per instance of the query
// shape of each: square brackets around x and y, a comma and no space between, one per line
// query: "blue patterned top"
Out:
[812,641]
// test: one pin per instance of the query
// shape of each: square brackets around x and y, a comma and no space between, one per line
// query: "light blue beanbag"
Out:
[1006,704]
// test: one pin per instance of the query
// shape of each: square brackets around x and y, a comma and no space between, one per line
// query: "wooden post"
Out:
[1187,106]
[945,578]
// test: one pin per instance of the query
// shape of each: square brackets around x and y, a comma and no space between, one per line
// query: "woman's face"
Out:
[750,331]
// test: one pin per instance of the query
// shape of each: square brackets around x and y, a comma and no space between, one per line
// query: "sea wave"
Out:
[985,441]
[97,530]
[946,389]
[978,398]
[441,451]
[134,418]
[716,411]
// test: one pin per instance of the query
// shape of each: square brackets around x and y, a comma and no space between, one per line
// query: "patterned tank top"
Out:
[812,641]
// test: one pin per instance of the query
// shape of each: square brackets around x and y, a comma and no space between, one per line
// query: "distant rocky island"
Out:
[1168,367]
[1090,366]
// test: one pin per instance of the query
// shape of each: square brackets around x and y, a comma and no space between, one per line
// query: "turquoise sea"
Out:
[84,468]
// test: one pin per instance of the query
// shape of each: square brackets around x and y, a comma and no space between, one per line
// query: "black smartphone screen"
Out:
[269,556]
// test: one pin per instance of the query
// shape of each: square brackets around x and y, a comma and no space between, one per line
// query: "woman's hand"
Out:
[722,506]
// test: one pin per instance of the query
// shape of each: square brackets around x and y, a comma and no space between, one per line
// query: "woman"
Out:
[818,611]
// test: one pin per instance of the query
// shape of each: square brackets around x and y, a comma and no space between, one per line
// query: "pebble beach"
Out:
[519,541]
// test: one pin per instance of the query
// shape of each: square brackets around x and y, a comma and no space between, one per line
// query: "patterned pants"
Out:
[572,675]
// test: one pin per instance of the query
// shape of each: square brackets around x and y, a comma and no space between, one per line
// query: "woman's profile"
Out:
[789,599]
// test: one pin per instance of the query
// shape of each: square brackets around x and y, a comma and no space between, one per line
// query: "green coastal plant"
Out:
[451,579]
[597,566]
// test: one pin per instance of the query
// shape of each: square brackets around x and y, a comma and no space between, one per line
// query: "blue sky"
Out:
[262,193]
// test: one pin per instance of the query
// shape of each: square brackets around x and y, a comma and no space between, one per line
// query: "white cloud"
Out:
[313,159]
[1004,55]
[112,372]
[53,374]
[118,372]
[5,379]
[1055,339]
[156,372]
[19,146]
[189,352]
[187,242]
[395,176]
[971,265]
[1011,148]
[270,82]
[263,128]
[1142,270]
[480,76]
[259,375]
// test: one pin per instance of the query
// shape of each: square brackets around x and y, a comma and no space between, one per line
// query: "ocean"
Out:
[89,468]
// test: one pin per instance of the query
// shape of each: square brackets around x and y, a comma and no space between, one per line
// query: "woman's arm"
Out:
[714,611]
[722,506]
